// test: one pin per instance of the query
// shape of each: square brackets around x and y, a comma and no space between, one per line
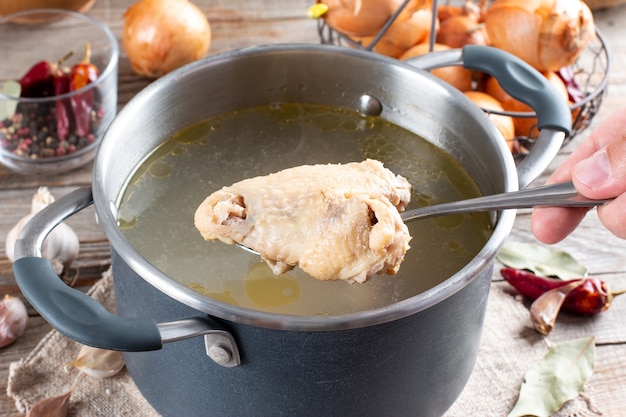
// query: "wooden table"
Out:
[239,23]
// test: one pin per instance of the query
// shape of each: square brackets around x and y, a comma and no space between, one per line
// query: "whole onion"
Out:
[406,31]
[503,123]
[365,17]
[456,76]
[162,35]
[548,34]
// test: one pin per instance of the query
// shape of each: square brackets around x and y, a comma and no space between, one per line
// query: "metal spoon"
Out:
[556,195]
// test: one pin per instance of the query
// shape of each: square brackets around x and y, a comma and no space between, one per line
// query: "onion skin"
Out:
[456,76]
[363,18]
[503,123]
[547,34]
[357,17]
[404,33]
[160,36]
[458,31]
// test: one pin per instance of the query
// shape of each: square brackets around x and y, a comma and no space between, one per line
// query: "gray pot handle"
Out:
[80,317]
[522,82]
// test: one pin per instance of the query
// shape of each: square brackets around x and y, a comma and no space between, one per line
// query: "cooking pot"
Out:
[191,355]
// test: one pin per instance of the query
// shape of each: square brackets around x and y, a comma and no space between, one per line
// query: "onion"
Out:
[462,26]
[458,31]
[503,123]
[405,32]
[456,76]
[548,34]
[357,17]
[362,18]
[446,10]
[524,126]
[162,35]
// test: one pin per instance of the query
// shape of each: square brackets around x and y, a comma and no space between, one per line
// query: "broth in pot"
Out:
[156,208]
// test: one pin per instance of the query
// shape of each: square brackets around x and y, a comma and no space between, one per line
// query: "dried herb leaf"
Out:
[542,260]
[10,88]
[556,379]
[98,363]
[51,407]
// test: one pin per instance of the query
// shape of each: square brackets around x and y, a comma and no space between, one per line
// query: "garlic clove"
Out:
[51,407]
[13,319]
[61,246]
[98,363]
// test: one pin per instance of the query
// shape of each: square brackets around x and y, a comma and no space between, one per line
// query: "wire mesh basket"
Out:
[589,73]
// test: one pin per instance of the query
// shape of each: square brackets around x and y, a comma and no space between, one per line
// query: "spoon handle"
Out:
[558,195]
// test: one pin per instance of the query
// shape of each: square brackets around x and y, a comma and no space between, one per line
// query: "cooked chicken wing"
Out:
[335,221]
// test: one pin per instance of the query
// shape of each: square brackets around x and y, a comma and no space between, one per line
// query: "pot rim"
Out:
[106,211]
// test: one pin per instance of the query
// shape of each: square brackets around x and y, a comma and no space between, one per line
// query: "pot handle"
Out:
[80,317]
[522,82]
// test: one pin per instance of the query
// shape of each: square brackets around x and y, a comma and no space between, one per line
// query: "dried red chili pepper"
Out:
[62,86]
[82,74]
[529,284]
[39,79]
[590,297]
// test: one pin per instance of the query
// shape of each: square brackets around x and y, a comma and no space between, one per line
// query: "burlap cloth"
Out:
[508,349]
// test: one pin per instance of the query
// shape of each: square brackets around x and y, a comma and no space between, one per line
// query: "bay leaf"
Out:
[556,379]
[541,260]
[10,88]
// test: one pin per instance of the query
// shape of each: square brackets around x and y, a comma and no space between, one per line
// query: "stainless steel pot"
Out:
[412,358]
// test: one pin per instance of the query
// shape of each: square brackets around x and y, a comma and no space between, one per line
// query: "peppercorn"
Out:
[33,131]
[56,127]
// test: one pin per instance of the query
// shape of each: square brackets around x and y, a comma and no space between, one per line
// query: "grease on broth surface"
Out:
[156,208]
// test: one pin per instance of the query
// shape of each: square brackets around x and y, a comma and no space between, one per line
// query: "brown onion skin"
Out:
[346,17]
[456,76]
[458,31]
[547,34]
[503,123]
[158,40]
[364,18]
[404,33]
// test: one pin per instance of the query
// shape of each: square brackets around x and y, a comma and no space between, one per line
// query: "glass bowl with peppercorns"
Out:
[58,89]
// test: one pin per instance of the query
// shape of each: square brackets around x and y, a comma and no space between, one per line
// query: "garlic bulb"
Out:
[13,319]
[60,247]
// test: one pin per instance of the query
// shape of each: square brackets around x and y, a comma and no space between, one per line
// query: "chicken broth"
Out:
[156,209]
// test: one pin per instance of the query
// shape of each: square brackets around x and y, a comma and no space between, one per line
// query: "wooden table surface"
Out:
[239,23]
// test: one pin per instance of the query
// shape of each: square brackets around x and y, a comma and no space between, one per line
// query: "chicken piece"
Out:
[335,221]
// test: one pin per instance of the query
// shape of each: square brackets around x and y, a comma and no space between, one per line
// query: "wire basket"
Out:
[590,72]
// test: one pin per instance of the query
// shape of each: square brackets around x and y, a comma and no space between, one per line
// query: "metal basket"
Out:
[591,71]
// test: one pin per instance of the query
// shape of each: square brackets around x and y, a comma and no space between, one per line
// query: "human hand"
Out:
[598,169]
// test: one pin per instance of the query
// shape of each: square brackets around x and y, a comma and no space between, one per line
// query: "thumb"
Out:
[603,174]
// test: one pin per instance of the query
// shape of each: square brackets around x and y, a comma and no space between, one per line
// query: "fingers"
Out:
[612,216]
[603,174]
[611,129]
[598,169]
[553,224]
